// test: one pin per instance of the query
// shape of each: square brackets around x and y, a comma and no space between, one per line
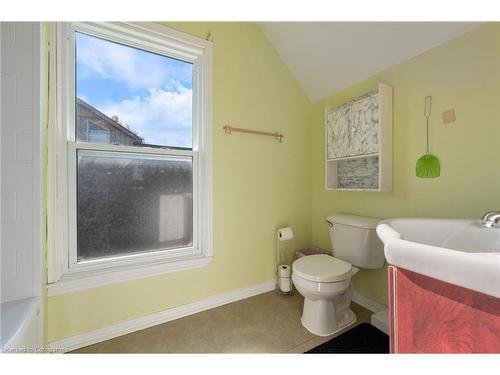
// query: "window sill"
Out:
[89,280]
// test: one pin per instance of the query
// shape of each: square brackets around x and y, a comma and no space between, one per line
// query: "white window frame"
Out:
[65,274]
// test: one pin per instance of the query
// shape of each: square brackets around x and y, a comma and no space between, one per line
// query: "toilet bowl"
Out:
[325,281]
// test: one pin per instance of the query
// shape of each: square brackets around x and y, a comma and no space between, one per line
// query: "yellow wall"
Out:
[259,185]
[462,74]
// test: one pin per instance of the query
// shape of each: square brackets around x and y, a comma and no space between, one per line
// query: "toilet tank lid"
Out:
[354,221]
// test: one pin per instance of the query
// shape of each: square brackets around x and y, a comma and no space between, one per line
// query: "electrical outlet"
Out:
[449,116]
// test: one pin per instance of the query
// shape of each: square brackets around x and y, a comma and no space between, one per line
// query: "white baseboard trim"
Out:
[380,320]
[367,303]
[128,326]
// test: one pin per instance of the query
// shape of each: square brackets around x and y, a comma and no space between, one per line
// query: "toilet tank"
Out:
[355,240]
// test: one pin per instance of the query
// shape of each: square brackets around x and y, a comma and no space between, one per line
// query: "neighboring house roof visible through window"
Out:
[86,110]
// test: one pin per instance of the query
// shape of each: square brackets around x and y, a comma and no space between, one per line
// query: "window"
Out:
[133,162]
[97,134]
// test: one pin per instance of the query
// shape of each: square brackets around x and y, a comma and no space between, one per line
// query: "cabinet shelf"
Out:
[358,143]
[354,157]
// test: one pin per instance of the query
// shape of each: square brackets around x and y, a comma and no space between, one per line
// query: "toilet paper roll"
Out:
[285,234]
[284,270]
[285,284]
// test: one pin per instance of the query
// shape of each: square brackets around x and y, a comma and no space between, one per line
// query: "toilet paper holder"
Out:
[283,272]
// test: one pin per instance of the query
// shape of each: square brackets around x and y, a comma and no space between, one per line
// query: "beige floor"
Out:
[267,323]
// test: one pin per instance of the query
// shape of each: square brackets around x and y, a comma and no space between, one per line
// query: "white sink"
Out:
[459,251]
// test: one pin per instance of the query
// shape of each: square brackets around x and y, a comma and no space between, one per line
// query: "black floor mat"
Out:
[362,339]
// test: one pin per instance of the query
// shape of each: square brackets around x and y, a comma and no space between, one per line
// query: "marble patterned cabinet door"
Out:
[358,173]
[364,126]
[337,122]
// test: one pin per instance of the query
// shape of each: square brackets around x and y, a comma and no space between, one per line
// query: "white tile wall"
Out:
[8,206]
[8,34]
[8,147]
[9,85]
[21,249]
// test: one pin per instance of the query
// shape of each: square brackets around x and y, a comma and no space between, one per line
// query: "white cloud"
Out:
[163,116]
[135,68]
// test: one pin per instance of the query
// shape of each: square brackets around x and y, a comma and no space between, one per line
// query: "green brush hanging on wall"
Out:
[428,166]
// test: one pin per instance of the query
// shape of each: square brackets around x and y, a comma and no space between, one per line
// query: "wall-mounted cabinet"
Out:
[358,143]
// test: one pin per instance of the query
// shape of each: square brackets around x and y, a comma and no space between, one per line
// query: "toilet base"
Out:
[320,318]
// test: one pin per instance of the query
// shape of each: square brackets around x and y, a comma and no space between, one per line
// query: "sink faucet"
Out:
[491,218]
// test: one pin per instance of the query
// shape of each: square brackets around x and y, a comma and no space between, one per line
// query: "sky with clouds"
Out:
[150,93]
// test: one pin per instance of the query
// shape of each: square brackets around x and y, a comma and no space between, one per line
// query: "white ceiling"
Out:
[326,57]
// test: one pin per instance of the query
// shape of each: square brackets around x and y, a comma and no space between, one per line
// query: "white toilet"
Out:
[325,281]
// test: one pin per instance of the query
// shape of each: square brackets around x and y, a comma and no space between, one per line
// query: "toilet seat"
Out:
[322,268]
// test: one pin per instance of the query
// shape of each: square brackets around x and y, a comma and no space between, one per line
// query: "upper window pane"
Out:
[128,96]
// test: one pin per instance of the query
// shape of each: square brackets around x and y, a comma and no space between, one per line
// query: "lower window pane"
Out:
[132,204]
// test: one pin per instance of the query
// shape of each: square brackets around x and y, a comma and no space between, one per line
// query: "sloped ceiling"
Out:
[326,57]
